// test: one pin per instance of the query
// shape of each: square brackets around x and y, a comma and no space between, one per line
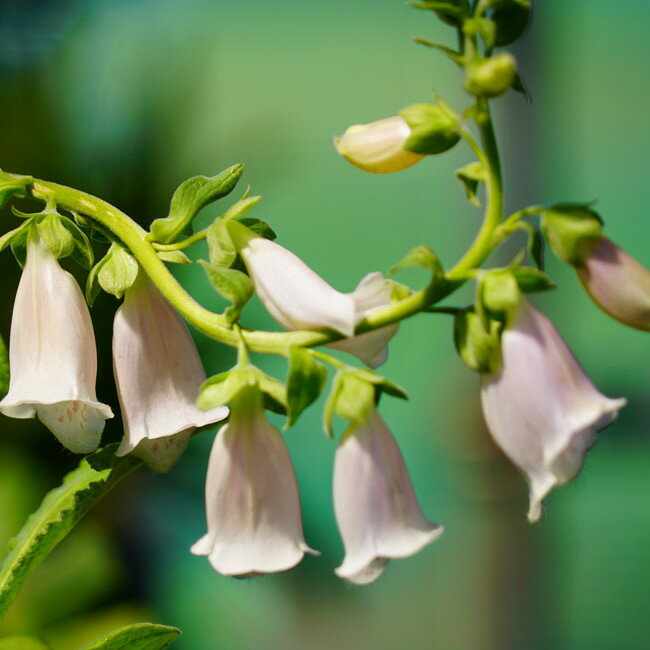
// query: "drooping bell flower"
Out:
[618,283]
[252,500]
[378,147]
[540,407]
[376,509]
[52,354]
[158,373]
[299,299]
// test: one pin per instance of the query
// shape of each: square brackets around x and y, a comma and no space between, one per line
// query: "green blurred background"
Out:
[127,98]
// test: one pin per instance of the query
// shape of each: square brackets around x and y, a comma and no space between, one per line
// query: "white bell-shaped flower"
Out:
[299,299]
[52,354]
[618,283]
[158,373]
[252,500]
[378,147]
[376,509]
[540,407]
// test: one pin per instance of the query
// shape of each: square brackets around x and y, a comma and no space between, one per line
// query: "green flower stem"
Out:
[216,326]
[185,243]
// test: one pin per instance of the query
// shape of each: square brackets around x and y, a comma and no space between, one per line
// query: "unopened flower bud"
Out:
[378,147]
[618,283]
[434,128]
[492,77]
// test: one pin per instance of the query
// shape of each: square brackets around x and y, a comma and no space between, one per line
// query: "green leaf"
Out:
[470,176]
[233,285]
[190,196]
[421,256]
[305,382]
[242,206]
[82,252]
[4,369]
[477,346]
[536,247]
[223,251]
[13,185]
[57,515]
[531,280]
[511,18]
[451,12]
[23,643]
[455,56]
[140,636]
[259,227]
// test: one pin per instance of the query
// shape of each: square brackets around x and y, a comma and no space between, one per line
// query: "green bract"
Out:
[571,230]
[115,273]
[470,176]
[233,285]
[305,382]
[434,128]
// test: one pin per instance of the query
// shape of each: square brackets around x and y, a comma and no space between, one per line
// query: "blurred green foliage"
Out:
[125,99]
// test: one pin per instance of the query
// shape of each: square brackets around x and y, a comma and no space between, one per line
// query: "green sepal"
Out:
[259,227]
[13,186]
[477,345]
[242,206]
[82,251]
[421,256]
[221,389]
[571,229]
[488,31]
[354,393]
[55,235]
[305,382]
[536,246]
[233,285]
[531,280]
[470,176]
[498,293]
[115,273]
[174,257]
[16,237]
[398,291]
[138,636]
[223,251]
[190,196]
[520,87]
[452,54]
[434,128]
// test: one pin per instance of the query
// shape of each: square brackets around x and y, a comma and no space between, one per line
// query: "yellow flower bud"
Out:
[378,147]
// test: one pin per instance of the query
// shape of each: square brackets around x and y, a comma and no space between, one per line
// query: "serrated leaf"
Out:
[531,280]
[223,251]
[23,643]
[259,227]
[4,369]
[305,382]
[190,196]
[139,636]
[470,176]
[59,512]
[455,56]
[421,256]
[82,252]
[233,285]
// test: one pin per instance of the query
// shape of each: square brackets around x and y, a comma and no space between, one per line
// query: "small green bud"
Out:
[492,77]
[571,231]
[434,128]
